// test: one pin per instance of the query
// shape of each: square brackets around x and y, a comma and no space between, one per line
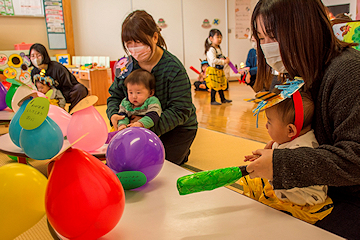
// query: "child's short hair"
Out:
[140,76]
[286,109]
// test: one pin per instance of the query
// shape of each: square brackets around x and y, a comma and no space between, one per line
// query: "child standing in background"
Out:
[200,84]
[215,77]
[309,203]
[44,84]
[140,101]
[251,62]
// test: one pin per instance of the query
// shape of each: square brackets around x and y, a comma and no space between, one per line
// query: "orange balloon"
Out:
[84,198]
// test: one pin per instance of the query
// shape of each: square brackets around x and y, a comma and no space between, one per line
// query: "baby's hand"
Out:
[121,127]
[227,60]
[135,124]
[251,158]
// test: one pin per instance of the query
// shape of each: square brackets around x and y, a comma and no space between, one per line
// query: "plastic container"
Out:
[22,46]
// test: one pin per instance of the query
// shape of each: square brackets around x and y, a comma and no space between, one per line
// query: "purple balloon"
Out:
[110,136]
[136,149]
[3,92]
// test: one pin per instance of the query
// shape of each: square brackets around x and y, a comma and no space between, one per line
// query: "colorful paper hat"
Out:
[47,80]
[280,93]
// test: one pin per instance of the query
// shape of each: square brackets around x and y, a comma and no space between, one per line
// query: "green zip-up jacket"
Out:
[150,112]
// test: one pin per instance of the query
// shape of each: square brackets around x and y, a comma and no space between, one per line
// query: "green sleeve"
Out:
[117,92]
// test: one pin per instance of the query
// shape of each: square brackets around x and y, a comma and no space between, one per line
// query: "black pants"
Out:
[177,144]
[77,93]
[344,219]
[213,93]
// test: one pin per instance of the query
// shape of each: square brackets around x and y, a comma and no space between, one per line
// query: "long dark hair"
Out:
[140,26]
[305,35]
[212,33]
[42,50]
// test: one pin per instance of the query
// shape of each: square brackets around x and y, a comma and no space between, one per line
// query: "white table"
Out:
[158,212]
[6,116]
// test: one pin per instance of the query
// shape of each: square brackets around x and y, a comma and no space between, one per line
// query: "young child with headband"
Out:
[44,84]
[289,126]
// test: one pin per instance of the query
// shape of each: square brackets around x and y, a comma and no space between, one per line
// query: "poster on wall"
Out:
[28,8]
[22,8]
[242,19]
[55,25]
[6,7]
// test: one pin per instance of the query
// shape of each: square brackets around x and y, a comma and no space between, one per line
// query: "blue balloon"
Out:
[43,142]
[14,127]
[3,92]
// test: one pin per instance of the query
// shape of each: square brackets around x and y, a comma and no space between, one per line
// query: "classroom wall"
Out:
[97,27]
[15,30]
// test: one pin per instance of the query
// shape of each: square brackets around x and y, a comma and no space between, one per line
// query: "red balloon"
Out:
[84,198]
[6,84]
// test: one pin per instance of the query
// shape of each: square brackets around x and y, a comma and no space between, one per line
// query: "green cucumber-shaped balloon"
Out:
[209,180]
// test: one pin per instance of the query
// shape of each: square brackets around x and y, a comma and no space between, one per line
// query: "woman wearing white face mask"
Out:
[66,82]
[296,36]
[177,125]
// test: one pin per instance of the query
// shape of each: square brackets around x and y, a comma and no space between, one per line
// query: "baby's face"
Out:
[42,87]
[277,129]
[137,94]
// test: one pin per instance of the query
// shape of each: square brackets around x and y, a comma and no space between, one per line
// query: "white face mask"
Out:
[37,61]
[141,54]
[272,55]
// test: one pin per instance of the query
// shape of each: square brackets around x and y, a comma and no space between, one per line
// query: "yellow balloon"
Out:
[22,199]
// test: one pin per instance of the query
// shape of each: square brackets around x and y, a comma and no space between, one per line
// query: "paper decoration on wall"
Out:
[161,23]
[10,72]
[123,67]
[348,32]
[242,19]
[216,21]
[64,59]
[3,59]
[15,60]
[206,24]
[14,64]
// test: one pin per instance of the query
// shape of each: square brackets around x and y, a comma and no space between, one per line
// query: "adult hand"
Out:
[115,119]
[134,118]
[262,166]
[135,124]
[269,144]
[121,127]
[247,78]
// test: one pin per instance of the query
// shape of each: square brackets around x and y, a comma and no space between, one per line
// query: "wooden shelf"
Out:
[97,81]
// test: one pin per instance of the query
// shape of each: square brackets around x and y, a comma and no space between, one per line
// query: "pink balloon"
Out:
[60,116]
[89,121]
[40,94]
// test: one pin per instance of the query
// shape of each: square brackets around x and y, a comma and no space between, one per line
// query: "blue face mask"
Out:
[272,55]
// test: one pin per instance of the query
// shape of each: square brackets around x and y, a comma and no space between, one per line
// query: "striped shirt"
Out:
[173,89]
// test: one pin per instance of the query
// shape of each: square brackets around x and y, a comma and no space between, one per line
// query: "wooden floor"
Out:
[234,118]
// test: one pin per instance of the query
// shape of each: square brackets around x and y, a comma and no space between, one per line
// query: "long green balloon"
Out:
[209,180]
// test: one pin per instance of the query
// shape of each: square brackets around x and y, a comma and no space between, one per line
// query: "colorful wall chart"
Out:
[242,19]
[55,25]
